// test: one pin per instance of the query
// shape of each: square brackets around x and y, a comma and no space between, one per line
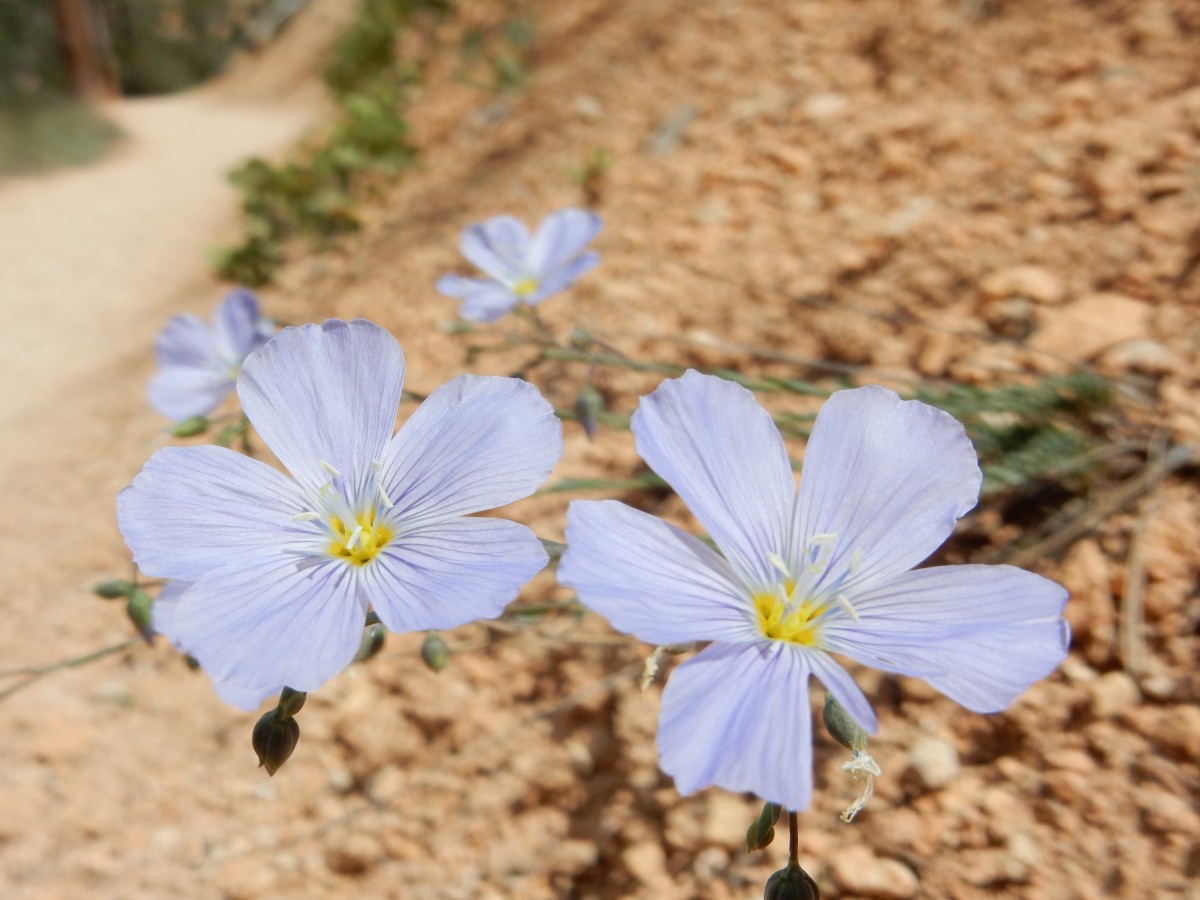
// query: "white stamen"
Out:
[354,536]
[779,565]
[856,560]
[844,602]
[818,539]
[383,497]
[861,768]
[653,661]
[329,468]
[306,517]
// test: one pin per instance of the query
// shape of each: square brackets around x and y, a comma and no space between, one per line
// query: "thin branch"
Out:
[33,674]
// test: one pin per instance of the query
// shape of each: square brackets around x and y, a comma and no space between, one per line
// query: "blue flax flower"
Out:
[522,269]
[284,569]
[803,575]
[198,364]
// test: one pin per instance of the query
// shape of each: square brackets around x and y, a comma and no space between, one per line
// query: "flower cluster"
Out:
[271,574]
[276,573]
[803,574]
[198,364]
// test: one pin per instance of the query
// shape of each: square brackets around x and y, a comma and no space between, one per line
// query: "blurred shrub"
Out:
[312,197]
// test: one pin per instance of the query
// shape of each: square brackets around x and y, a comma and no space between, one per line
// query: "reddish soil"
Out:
[941,190]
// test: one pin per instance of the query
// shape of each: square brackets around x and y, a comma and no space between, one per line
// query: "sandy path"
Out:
[92,262]
[91,258]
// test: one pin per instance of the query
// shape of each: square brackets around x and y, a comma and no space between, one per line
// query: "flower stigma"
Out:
[523,287]
[351,525]
[360,544]
[792,609]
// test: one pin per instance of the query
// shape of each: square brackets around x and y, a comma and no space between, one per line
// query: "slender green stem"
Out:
[33,674]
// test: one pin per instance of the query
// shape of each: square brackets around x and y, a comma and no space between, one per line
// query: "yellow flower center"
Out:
[781,621]
[360,544]
[525,286]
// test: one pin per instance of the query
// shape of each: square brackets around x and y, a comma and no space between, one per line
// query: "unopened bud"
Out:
[761,832]
[290,702]
[434,652]
[588,406]
[137,607]
[274,739]
[114,589]
[190,427]
[792,883]
[841,727]
[372,642]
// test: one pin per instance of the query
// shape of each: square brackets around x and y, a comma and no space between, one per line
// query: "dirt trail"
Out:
[92,259]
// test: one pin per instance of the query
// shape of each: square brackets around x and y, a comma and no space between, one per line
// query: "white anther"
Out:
[329,468]
[354,536]
[779,565]
[856,560]
[844,602]
[818,539]
[383,497]
[306,517]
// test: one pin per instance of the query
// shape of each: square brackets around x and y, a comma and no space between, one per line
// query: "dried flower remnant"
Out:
[803,574]
[521,268]
[198,364]
[283,570]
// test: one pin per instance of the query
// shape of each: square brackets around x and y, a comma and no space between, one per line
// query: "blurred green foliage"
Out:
[163,46]
[1026,433]
[312,197]
[54,132]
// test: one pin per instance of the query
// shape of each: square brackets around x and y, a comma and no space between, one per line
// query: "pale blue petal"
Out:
[180,392]
[451,573]
[162,615]
[185,341]
[651,579]
[238,326]
[460,288]
[722,454]
[890,478]
[325,394]
[162,610]
[737,716]
[490,305]
[980,634]
[559,239]
[563,278]
[844,690]
[477,442]
[498,246]
[484,300]
[245,698]
[272,622]
[195,509]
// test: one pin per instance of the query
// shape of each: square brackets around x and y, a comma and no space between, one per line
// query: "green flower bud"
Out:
[114,589]
[792,883]
[190,427]
[841,727]
[372,642]
[274,739]
[588,406]
[762,830]
[290,702]
[434,652]
[137,607]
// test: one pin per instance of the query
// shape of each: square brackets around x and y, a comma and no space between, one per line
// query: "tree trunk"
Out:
[83,39]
